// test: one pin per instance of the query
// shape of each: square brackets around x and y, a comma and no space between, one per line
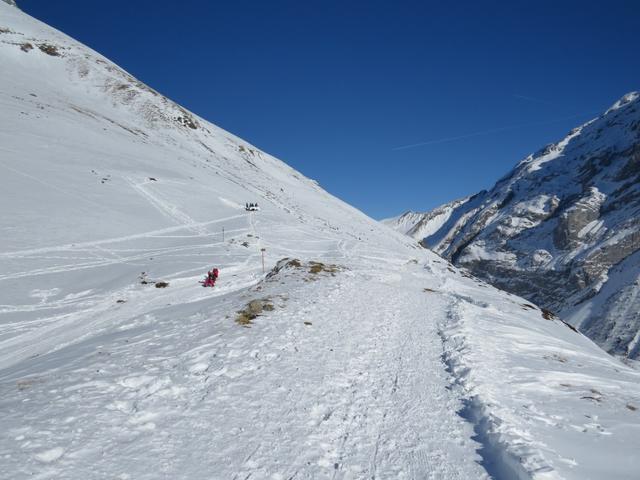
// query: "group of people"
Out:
[251,206]
[210,279]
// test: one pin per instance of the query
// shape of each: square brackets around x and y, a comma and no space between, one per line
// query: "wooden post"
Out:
[262,250]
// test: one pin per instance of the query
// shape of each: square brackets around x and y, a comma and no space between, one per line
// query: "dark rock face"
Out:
[563,229]
[572,222]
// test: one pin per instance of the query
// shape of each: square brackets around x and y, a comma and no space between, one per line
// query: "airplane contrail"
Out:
[487,132]
[531,99]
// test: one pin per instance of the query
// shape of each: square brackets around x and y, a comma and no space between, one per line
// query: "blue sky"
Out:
[341,89]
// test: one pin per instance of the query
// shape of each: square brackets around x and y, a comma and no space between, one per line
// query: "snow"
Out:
[554,152]
[562,399]
[50,455]
[379,360]
[625,100]
[422,225]
[478,252]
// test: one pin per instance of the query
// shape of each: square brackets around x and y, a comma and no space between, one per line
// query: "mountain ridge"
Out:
[552,228]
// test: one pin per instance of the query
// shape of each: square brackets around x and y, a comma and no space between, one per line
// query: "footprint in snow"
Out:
[51,455]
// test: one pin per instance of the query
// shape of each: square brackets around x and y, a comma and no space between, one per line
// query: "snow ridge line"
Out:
[498,457]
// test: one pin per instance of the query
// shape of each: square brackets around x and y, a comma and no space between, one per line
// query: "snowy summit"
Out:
[329,346]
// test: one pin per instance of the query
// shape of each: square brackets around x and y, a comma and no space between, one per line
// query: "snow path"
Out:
[354,394]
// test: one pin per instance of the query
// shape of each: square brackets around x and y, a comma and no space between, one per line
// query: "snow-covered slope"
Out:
[562,229]
[359,356]
[419,225]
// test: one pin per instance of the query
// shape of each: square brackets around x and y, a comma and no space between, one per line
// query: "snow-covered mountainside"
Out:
[562,229]
[353,353]
[419,225]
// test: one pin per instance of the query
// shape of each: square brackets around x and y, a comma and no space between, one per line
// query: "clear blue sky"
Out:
[335,87]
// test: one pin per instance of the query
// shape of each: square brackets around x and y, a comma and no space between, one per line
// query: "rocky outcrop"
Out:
[563,229]
[573,223]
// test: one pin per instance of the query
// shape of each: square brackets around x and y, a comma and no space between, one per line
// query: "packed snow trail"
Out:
[355,392]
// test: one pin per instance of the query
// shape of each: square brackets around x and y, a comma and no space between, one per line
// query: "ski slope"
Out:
[368,357]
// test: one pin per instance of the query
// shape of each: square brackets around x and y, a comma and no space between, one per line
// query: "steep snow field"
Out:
[379,360]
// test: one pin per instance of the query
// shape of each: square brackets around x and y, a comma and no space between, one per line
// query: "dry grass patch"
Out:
[252,310]
[319,267]
[49,49]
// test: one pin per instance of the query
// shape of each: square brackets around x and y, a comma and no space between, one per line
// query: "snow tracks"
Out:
[359,390]
[342,379]
[545,402]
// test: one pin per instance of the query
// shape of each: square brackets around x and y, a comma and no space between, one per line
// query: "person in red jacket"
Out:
[212,276]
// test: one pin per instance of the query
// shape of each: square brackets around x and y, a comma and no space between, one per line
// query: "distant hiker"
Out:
[212,276]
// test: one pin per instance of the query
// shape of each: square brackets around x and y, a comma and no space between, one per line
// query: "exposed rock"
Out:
[569,231]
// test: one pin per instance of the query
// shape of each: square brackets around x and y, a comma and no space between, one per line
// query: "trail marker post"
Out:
[223,234]
[262,250]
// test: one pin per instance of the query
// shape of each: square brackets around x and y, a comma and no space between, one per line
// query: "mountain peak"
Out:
[11,2]
[625,100]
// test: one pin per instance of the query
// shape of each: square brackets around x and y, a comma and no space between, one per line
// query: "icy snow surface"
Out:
[378,361]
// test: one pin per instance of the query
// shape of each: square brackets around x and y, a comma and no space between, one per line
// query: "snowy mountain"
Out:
[419,225]
[562,229]
[352,353]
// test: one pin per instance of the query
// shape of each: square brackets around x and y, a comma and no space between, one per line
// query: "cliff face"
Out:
[563,229]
